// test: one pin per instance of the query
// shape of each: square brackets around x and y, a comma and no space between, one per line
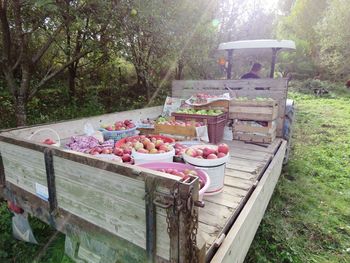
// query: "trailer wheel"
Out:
[287,127]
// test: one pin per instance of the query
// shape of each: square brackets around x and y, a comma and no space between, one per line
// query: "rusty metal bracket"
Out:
[151,227]
[2,172]
[50,176]
[163,200]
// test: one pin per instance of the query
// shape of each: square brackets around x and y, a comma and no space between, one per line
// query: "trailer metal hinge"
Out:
[219,240]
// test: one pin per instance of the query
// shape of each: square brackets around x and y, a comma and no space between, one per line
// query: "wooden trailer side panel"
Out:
[251,88]
[24,167]
[237,242]
[109,200]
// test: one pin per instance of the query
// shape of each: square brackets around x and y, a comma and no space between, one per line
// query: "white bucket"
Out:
[150,158]
[217,176]
[215,168]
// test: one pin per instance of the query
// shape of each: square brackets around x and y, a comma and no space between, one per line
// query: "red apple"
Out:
[142,150]
[223,148]
[212,156]
[220,155]
[153,151]
[199,152]
[191,152]
[164,147]
[206,152]
[127,151]
[49,142]
[126,157]
[150,146]
[105,151]
[118,151]
[138,146]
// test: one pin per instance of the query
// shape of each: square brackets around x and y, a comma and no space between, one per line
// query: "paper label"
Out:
[42,191]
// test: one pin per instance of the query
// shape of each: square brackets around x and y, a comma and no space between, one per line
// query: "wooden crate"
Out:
[252,137]
[146,131]
[223,105]
[254,110]
[187,131]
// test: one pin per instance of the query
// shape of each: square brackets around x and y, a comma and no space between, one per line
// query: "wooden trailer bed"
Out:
[108,210]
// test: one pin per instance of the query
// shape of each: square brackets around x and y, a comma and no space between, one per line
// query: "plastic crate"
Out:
[216,124]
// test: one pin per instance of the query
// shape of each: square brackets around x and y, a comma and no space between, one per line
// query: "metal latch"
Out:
[163,200]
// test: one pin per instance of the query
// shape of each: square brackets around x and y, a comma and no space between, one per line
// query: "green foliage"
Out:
[309,214]
[334,35]
[50,248]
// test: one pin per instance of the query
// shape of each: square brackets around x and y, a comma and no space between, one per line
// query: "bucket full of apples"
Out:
[184,171]
[211,159]
[151,148]
[118,130]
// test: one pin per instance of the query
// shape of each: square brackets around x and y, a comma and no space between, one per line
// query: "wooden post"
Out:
[229,65]
[273,61]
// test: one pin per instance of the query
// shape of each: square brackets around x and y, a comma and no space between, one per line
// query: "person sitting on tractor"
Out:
[254,72]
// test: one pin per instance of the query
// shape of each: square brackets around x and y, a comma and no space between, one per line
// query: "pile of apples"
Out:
[185,174]
[144,144]
[208,153]
[164,121]
[179,149]
[119,126]
[200,112]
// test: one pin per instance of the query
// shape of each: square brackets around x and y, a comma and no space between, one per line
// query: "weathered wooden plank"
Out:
[236,244]
[75,226]
[109,182]
[240,174]
[214,214]
[238,182]
[250,155]
[227,199]
[268,148]
[108,200]
[244,168]
[23,167]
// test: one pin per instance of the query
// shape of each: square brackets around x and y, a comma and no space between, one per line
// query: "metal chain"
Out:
[193,218]
[192,221]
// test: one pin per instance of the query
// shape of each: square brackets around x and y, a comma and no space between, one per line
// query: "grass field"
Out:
[308,219]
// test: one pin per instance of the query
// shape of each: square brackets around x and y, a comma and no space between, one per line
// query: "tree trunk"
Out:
[21,111]
[179,69]
[72,73]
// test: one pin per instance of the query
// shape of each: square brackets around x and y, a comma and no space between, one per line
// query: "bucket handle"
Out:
[47,129]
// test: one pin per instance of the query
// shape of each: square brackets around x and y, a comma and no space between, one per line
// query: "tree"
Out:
[29,30]
[299,26]
[334,38]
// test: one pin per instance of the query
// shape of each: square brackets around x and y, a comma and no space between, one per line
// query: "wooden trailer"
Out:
[113,212]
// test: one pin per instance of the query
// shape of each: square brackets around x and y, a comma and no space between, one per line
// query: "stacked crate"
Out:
[189,132]
[254,120]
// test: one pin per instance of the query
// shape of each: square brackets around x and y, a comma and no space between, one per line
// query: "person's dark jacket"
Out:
[250,75]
